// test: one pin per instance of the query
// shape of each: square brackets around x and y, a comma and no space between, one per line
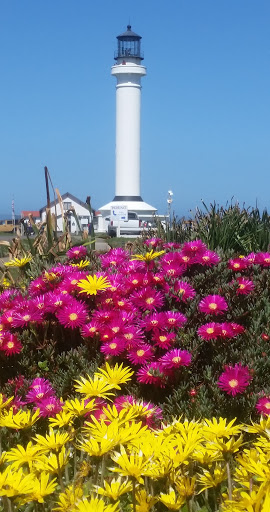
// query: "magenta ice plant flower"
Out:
[213,305]
[235,379]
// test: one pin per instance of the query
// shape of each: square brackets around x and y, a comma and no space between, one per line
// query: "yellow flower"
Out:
[20,420]
[18,262]
[115,375]
[21,455]
[219,428]
[212,478]
[145,501]
[114,489]
[148,256]
[95,505]
[6,283]
[94,387]
[262,428]
[62,419]
[92,284]
[52,463]
[230,446]
[132,464]
[171,501]
[4,403]
[69,498]
[96,448]
[81,264]
[52,441]
[14,483]
[185,486]
[79,408]
[42,487]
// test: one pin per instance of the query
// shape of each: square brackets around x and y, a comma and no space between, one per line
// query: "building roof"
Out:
[129,34]
[26,213]
[64,196]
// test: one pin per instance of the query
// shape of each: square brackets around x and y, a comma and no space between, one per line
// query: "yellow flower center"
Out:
[116,329]
[135,281]
[64,292]
[171,320]
[205,258]
[74,281]
[10,344]
[26,317]
[233,383]
[113,263]
[242,286]
[92,329]
[113,345]
[236,265]
[182,291]
[128,336]
[267,405]
[267,260]
[120,303]
[109,300]
[9,319]
[58,303]
[50,407]
[171,271]
[176,359]
[186,258]
[73,316]
[150,300]
[154,322]
[162,338]
[210,330]
[140,353]
[40,395]
[212,305]
[76,251]
[113,288]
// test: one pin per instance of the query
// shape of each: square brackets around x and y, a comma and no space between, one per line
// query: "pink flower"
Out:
[194,248]
[208,258]
[234,379]
[153,321]
[152,374]
[77,253]
[263,258]
[90,330]
[209,331]
[113,347]
[245,286]
[26,313]
[147,299]
[49,407]
[213,305]
[11,345]
[132,335]
[263,405]
[237,329]
[39,393]
[114,258]
[237,264]
[163,339]
[141,355]
[176,358]
[73,315]
[184,291]
[174,319]
[153,242]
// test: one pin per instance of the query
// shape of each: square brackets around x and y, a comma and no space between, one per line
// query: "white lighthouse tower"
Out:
[128,72]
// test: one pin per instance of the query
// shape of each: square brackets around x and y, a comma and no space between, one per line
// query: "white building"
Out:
[71,204]
[128,72]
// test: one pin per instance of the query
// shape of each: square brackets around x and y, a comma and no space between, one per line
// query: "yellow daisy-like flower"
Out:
[79,408]
[81,264]
[52,463]
[94,387]
[130,464]
[92,284]
[212,478]
[69,498]
[43,487]
[52,441]
[115,375]
[62,419]
[148,256]
[6,283]
[20,455]
[114,489]
[20,420]
[4,403]
[171,501]
[18,262]
[220,428]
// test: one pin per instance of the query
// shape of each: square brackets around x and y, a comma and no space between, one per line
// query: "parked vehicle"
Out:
[131,226]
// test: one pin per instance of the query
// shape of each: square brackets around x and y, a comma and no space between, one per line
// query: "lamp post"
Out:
[169,202]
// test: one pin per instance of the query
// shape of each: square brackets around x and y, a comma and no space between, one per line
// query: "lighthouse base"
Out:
[145,211]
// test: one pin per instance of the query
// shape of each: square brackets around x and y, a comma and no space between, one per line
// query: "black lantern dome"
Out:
[129,45]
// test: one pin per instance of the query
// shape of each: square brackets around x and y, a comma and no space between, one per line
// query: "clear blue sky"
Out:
[205,100]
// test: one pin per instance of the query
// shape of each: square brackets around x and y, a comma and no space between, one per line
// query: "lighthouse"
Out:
[128,71]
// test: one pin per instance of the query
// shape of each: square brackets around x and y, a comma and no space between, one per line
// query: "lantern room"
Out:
[128,45]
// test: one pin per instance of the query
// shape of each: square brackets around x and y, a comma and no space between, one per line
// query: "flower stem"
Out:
[229,480]
[133,495]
